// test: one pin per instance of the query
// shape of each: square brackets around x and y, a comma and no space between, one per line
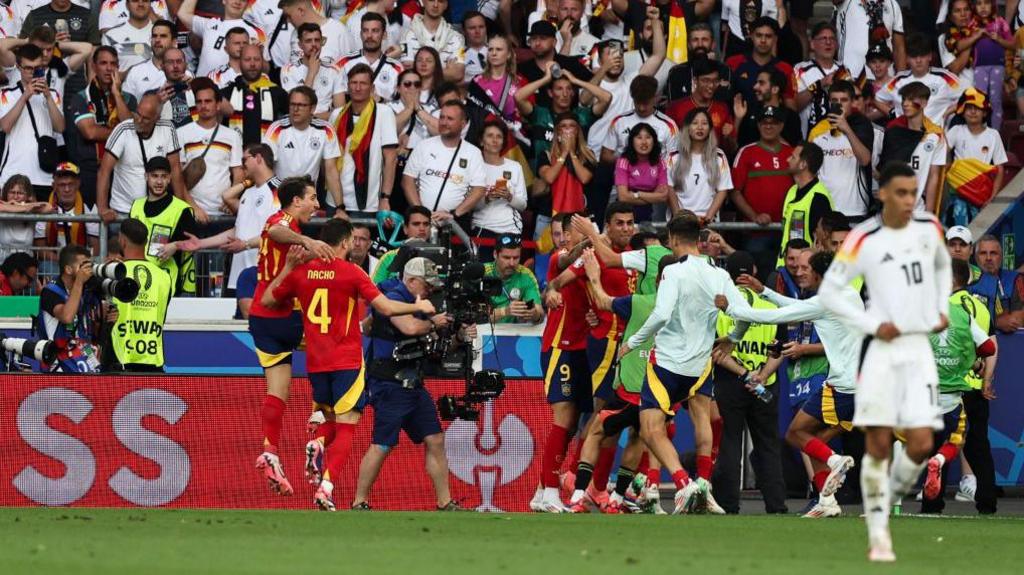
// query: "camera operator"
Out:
[137,340]
[71,312]
[519,300]
[399,400]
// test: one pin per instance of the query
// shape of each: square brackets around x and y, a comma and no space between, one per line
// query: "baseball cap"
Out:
[960,233]
[158,163]
[422,268]
[67,168]
[507,241]
[739,263]
[770,113]
[879,51]
[543,28]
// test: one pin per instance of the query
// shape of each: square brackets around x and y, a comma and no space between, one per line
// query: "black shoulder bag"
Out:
[46,146]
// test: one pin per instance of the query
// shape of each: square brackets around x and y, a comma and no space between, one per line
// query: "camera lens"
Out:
[111,270]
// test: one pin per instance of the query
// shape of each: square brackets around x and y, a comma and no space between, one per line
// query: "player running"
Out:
[328,291]
[956,350]
[683,326]
[903,259]
[276,332]
[829,410]
[566,375]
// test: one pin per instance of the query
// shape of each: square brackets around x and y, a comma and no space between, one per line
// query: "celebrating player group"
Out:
[637,331]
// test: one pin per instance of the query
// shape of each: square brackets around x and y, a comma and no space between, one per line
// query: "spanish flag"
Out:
[677,33]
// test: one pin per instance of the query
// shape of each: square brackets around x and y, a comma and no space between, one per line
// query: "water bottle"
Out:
[763,393]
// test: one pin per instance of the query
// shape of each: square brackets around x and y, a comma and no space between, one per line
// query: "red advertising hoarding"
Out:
[192,441]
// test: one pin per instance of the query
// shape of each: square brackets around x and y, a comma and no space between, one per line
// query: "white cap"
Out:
[423,268]
[960,233]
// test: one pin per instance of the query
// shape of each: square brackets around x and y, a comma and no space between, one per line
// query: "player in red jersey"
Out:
[563,350]
[277,331]
[329,291]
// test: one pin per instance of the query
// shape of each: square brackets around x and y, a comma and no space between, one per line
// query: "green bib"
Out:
[979,311]
[648,282]
[954,351]
[138,334]
[796,217]
[752,351]
[810,366]
[161,227]
[633,366]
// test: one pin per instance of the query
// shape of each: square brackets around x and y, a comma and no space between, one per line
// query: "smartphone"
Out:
[39,73]
[835,108]
[180,86]
[704,236]
[529,304]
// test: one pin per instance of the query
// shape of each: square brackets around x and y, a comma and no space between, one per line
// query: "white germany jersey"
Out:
[387,71]
[684,317]
[930,151]
[213,32]
[842,344]
[618,132]
[906,272]
[945,86]
[133,44]
[326,84]
[113,13]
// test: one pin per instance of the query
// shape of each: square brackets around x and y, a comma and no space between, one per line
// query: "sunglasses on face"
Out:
[510,242]
[411,84]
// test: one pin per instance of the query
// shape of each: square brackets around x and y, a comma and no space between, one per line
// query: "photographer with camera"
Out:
[71,311]
[519,300]
[137,340]
[399,400]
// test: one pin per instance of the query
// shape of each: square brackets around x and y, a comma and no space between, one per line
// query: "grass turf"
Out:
[111,541]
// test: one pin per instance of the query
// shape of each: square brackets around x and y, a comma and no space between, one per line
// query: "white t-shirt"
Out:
[224,154]
[732,13]
[92,230]
[113,13]
[392,34]
[840,174]
[695,192]
[133,44]
[213,32]
[476,59]
[265,15]
[129,181]
[805,74]
[945,86]
[946,58]
[142,78]
[618,133]
[301,152]
[852,31]
[930,151]
[451,47]
[326,84]
[385,84]
[503,216]
[621,103]
[16,237]
[428,164]
[223,76]
[256,205]
[384,135]
[986,146]
[20,153]
[419,130]
[633,60]
[336,42]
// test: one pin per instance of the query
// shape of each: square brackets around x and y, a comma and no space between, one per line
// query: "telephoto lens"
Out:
[111,270]
[125,290]
[42,350]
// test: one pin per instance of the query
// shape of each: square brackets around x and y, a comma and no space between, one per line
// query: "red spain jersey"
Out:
[272,257]
[763,176]
[616,282]
[329,293]
[567,325]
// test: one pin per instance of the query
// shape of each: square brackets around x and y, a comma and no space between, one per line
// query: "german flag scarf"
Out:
[76,236]
[901,140]
[358,134]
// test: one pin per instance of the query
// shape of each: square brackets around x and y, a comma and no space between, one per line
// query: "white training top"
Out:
[906,271]
[842,344]
[133,44]
[684,318]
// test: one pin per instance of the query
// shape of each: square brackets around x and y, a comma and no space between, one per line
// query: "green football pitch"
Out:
[109,541]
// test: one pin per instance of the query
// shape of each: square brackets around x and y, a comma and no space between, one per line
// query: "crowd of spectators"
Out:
[499,114]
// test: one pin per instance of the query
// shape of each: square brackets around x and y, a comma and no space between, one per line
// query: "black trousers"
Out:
[978,451]
[739,409]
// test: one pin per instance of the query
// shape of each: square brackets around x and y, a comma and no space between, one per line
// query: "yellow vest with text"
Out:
[796,216]
[161,227]
[752,351]
[138,334]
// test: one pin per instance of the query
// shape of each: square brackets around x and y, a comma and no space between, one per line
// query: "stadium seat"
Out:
[1016,145]
[1009,129]
[1010,168]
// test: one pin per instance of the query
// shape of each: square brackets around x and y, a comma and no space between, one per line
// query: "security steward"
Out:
[807,200]
[740,407]
[138,334]
[171,226]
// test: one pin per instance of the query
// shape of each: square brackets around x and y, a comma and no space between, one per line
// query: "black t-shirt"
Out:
[680,82]
[532,72]
[252,122]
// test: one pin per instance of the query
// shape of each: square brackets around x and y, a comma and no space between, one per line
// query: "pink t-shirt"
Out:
[642,176]
[495,89]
